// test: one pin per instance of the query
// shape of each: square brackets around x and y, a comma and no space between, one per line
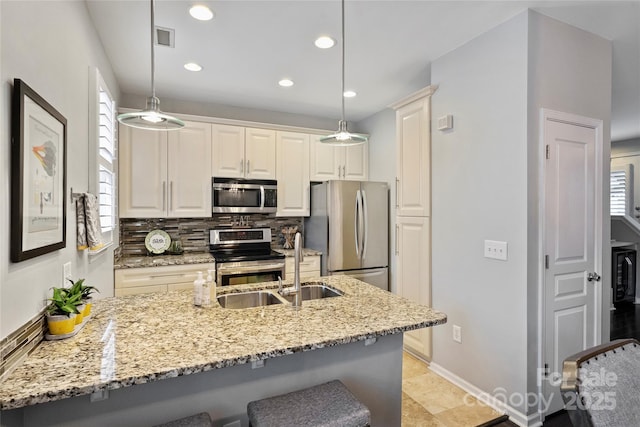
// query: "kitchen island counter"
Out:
[146,338]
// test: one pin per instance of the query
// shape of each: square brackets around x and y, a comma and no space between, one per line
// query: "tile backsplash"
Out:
[193,233]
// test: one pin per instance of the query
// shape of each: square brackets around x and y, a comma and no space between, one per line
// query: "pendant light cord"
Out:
[342,94]
[153,56]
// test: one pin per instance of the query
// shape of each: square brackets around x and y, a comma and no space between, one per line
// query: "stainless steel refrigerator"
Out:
[349,223]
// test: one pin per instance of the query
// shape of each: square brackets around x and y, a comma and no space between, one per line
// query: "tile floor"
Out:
[428,400]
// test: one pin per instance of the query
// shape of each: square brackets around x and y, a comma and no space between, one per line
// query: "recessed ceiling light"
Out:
[192,66]
[324,42]
[201,12]
[286,83]
[349,94]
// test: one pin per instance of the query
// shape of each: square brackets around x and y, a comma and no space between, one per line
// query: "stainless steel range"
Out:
[244,255]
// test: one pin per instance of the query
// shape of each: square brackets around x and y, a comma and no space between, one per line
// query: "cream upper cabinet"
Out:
[240,152]
[334,162]
[142,173]
[413,263]
[413,156]
[189,171]
[165,174]
[292,159]
[260,153]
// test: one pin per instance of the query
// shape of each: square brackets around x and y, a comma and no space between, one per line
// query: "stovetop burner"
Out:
[242,244]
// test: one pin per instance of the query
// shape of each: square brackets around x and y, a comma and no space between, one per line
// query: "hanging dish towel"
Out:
[88,219]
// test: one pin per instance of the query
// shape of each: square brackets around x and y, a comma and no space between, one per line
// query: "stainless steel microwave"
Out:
[231,195]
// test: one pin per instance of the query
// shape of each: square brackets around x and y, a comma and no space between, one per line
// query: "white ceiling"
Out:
[250,45]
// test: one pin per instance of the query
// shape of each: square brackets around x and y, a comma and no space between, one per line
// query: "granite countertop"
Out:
[305,252]
[162,260]
[136,339]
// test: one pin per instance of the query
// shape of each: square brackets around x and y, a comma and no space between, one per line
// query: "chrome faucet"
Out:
[296,289]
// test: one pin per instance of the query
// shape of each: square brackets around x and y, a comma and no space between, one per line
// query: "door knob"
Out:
[593,277]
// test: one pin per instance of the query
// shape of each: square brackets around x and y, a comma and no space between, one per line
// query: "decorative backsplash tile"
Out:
[20,343]
[193,233]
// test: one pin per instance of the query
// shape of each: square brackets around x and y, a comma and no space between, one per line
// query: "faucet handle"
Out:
[279,284]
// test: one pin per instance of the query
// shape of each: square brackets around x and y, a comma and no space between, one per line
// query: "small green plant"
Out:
[63,303]
[79,287]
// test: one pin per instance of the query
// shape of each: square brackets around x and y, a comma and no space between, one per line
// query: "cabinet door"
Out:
[142,173]
[189,171]
[260,153]
[292,158]
[227,157]
[413,159]
[356,162]
[325,160]
[413,261]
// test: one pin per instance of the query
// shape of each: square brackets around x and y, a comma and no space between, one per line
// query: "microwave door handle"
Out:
[261,197]
[365,228]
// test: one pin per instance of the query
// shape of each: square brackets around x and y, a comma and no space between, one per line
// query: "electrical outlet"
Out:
[457,334]
[496,250]
[66,273]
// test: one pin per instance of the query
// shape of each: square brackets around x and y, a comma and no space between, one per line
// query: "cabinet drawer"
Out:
[152,276]
[310,263]
[140,290]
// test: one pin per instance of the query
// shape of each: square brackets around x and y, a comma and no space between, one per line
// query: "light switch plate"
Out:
[66,274]
[495,250]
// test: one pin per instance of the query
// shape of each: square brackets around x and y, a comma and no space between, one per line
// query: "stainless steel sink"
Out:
[316,290]
[248,299]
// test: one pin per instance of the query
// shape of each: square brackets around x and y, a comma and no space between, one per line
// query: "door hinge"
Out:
[547,151]
[546,262]
[546,370]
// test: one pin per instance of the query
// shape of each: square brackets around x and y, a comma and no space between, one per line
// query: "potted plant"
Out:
[85,291]
[62,311]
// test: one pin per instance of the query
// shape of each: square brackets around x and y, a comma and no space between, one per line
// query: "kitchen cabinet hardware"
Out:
[164,195]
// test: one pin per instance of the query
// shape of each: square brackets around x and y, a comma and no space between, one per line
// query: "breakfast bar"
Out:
[146,359]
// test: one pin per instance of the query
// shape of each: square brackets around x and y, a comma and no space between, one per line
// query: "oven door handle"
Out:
[250,269]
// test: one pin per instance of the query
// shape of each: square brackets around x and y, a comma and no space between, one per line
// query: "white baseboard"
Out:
[515,416]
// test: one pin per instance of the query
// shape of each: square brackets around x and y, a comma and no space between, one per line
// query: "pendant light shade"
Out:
[342,136]
[151,117]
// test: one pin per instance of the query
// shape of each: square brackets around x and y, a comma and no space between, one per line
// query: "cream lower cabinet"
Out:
[330,162]
[240,152]
[165,174]
[129,281]
[413,264]
[292,173]
[309,268]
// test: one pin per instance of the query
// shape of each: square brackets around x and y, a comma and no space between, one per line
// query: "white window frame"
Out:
[109,234]
[626,172]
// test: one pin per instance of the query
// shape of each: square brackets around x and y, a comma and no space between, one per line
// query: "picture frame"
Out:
[38,175]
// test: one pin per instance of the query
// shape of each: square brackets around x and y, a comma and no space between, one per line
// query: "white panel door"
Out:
[142,173]
[356,162]
[293,174]
[413,279]
[413,157]
[571,297]
[227,157]
[189,171]
[260,153]
[325,160]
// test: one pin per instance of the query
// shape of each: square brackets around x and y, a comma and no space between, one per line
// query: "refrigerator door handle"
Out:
[365,228]
[356,220]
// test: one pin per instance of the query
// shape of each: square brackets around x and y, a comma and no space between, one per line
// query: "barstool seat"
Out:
[326,405]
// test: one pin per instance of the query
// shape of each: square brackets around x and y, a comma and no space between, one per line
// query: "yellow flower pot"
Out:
[61,324]
[87,308]
[80,315]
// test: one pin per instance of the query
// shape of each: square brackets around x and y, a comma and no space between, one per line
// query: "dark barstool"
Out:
[325,405]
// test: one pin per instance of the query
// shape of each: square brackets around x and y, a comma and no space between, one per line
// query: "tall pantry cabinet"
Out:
[413,208]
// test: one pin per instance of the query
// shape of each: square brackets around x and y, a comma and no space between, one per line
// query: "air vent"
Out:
[165,36]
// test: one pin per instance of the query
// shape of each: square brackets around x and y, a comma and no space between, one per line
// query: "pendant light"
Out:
[151,117]
[343,136]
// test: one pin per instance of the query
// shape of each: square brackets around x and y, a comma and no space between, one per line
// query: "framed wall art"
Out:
[38,175]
